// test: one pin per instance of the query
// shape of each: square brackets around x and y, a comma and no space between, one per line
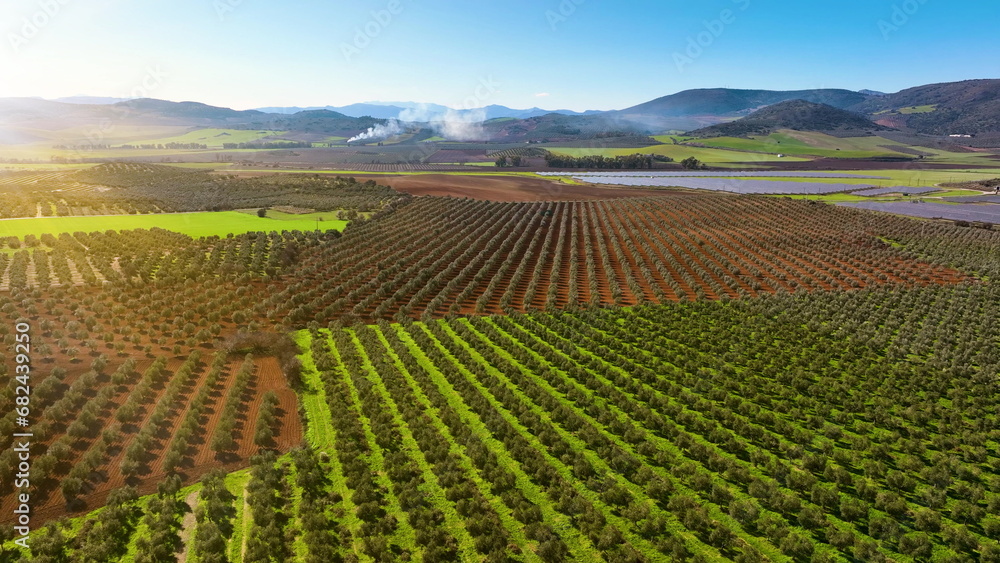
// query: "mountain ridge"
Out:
[969,107]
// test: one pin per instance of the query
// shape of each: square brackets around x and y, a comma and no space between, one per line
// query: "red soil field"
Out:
[47,499]
[507,188]
[440,256]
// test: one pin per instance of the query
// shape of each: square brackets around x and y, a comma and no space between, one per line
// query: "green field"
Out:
[813,144]
[638,385]
[818,144]
[193,224]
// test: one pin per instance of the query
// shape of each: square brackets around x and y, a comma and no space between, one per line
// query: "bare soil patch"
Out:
[509,188]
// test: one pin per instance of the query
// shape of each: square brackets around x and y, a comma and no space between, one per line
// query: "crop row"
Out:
[751,430]
[109,427]
[436,257]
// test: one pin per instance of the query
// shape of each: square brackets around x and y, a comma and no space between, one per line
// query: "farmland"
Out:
[733,185]
[499,282]
[657,376]
[125,189]
[806,143]
[672,445]
[450,257]
[656,433]
[192,224]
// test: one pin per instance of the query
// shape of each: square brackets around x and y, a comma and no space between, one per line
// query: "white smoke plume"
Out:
[385,130]
[454,125]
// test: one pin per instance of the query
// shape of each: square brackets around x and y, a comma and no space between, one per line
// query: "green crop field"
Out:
[607,405]
[818,144]
[808,143]
[193,224]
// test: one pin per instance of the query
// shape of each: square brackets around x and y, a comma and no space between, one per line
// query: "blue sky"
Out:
[575,54]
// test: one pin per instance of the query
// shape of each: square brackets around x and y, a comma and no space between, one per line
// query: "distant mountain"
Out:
[969,107]
[965,108]
[495,112]
[25,120]
[729,102]
[90,100]
[14,110]
[28,120]
[799,115]
[423,112]
[354,110]
[193,113]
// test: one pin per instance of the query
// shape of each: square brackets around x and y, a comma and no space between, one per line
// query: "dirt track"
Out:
[508,188]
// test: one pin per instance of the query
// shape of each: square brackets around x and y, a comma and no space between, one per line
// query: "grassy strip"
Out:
[298,547]
[319,422]
[140,529]
[236,483]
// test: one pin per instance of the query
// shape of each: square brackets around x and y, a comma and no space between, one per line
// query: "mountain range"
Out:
[391,110]
[970,107]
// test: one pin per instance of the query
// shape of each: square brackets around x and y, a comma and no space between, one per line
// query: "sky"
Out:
[554,54]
